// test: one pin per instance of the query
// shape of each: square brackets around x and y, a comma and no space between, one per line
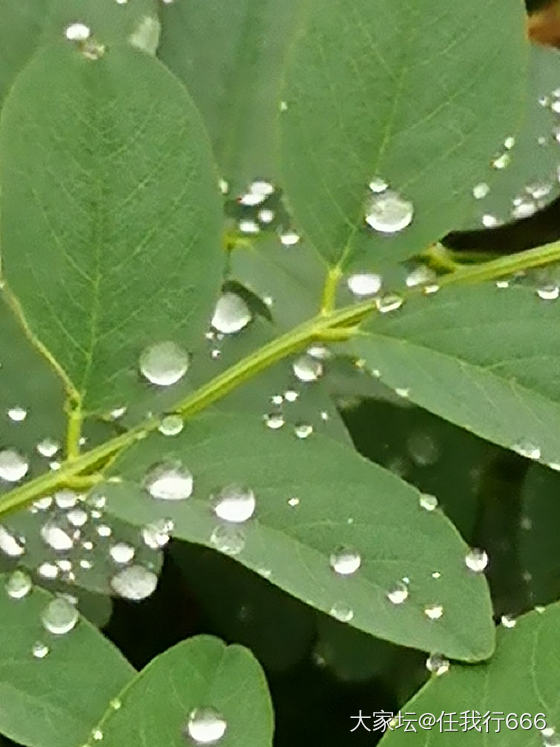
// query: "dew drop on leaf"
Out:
[77,32]
[428,502]
[234,503]
[228,539]
[476,560]
[156,533]
[388,303]
[434,611]
[134,582]
[307,368]
[231,314]
[171,425]
[289,238]
[9,544]
[364,284]
[39,650]
[77,517]
[480,191]
[164,363]
[548,292]
[378,185]
[437,664]
[420,276]
[48,447]
[55,536]
[508,621]
[48,570]
[527,449]
[342,612]
[274,420]
[169,482]
[59,616]
[398,594]
[122,552]
[303,430]
[18,584]
[13,466]
[389,212]
[206,726]
[17,414]
[345,561]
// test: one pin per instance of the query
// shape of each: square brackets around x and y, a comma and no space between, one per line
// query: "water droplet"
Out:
[224,186]
[364,284]
[9,545]
[436,574]
[134,582]
[289,238]
[231,314]
[398,594]
[156,533]
[97,735]
[489,221]
[266,215]
[18,584]
[234,503]
[524,209]
[56,537]
[274,420]
[66,498]
[77,517]
[345,561]
[437,664]
[502,284]
[48,570]
[420,276]
[59,616]
[122,552]
[480,191]
[293,502]
[389,212]
[48,447]
[509,142]
[17,414]
[378,185]
[249,226]
[501,161]
[228,539]
[476,560]
[390,302]
[549,292]
[77,32]
[13,466]
[434,611]
[527,449]
[342,612]
[291,395]
[508,621]
[115,704]
[206,725]
[164,363]
[39,650]
[169,482]
[171,425]
[307,368]
[303,430]
[428,502]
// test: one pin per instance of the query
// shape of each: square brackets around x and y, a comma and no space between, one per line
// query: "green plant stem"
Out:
[328,326]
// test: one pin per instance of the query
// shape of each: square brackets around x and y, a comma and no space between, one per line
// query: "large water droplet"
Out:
[59,616]
[549,292]
[437,664]
[169,482]
[307,368]
[134,582]
[164,364]
[231,314]
[345,561]
[56,537]
[389,212]
[364,284]
[18,584]
[17,414]
[398,594]
[228,539]
[234,503]
[206,725]
[476,560]
[9,545]
[13,466]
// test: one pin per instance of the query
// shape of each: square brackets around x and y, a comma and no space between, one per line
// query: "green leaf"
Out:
[482,357]
[521,678]
[201,673]
[417,94]
[55,700]
[234,80]
[30,24]
[110,214]
[530,179]
[340,501]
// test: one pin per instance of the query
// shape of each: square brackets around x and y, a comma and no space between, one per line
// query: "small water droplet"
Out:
[501,161]
[39,650]
[420,276]
[508,621]
[171,425]
[364,284]
[289,238]
[169,482]
[234,503]
[17,414]
[206,725]
[434,611]
[18,584]
[549,292]
[164,363]
[437,664]
[48,447]
[9,544]
[489,221]
[231,314]
[77,32]
[249,226]
[480,191]
[389,212]
[398,594]
[476,560]
[55,536]
[345,561]
[293,502]
[303,430]
[342,612]
[266,215]
[134,582]
[378,185]
[77,517]
[59,616]
[13,466]
[48,570]
[115,704]
[428,502]
[97,735]
[274,420]
[122,552]
[291,395]
[388,303]
[229,539]
[307,368]
[156,533]
[66,498]
[527,449]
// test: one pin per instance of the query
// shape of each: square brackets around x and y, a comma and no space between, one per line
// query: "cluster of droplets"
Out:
[262,211]
[387,212]
[81,35]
